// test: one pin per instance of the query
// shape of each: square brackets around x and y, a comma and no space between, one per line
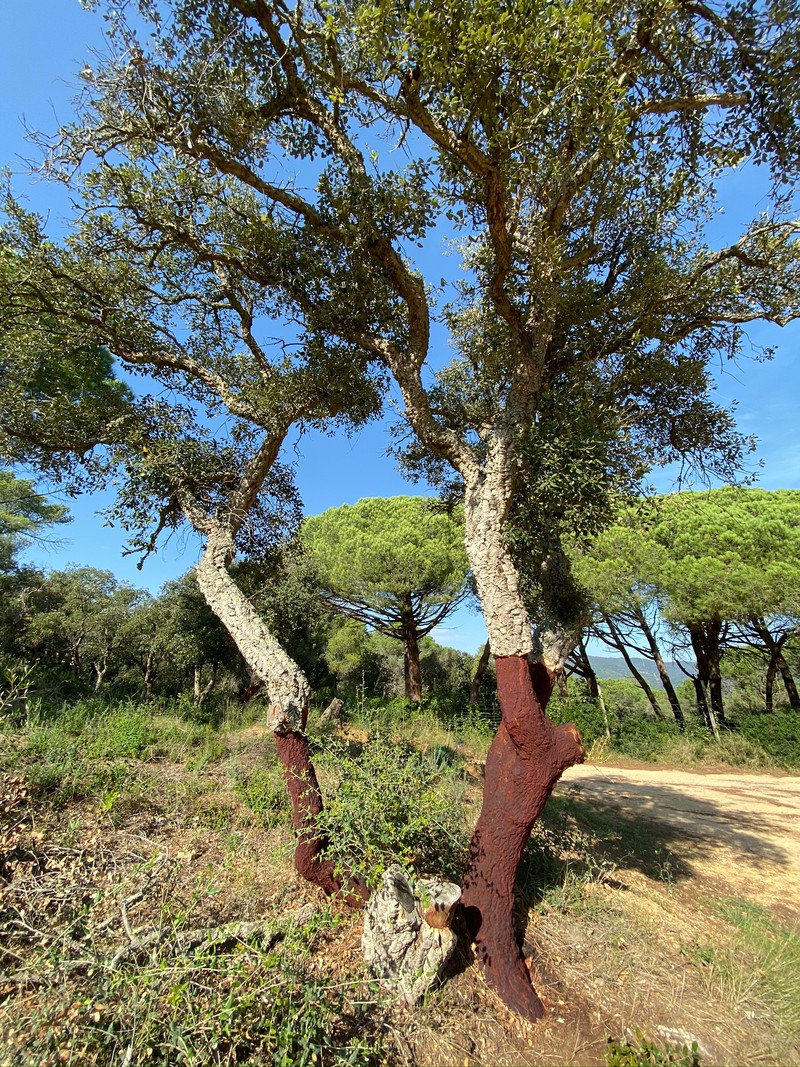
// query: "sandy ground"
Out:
[741,831]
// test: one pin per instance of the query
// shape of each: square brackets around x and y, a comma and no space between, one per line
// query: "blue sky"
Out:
[44,43]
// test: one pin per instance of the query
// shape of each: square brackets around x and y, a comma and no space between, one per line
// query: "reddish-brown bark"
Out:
[301,781]
[526,759]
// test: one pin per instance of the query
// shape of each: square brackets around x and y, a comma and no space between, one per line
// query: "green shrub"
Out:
[123,734]
[778,735]
[645,1053]
[582,711]
[390,802]
[264,792]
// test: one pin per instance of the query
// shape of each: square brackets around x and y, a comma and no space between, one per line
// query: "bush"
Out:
[581,711]
[264,792]
[392,803]
[750,741]
[777,735]
[645,1053]
[125,734]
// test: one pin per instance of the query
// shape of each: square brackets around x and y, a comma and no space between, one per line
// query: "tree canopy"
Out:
[395,563]
[720,569]
[253,159]
[24,516]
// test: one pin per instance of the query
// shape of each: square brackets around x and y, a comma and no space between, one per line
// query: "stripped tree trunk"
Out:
[289,695]
[527,756]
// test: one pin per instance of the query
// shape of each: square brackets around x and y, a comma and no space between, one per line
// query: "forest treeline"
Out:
[707,580]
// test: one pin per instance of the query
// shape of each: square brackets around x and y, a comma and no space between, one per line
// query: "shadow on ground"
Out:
[653,829]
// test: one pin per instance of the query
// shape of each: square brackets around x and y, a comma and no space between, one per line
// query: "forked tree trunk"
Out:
[526,759]
[706,645]
[289,695]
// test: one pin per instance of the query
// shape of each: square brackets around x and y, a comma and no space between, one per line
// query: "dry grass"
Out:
[621,935]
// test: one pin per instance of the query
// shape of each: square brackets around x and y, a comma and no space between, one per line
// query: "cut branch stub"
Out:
[407,940]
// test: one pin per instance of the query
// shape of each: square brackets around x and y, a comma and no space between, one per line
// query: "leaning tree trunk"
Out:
[663,673]
[788,682]
[526,759]
[478,676]
[641,681]
[289,695]
[777,662]
[769,686]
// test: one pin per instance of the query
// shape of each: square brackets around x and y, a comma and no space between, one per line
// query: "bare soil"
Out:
[737,833]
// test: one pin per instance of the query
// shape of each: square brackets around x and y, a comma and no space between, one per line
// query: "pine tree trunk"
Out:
[769,685]
[641,681]
[663,673]
[788,682]
[778,662]
[412,671]
[478,676]
[585,670]
[705,638]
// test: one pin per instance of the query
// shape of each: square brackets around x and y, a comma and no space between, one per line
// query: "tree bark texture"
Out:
[412,672]
[306,797]
[288,690]
[485,508]
[526,759]
[289,695]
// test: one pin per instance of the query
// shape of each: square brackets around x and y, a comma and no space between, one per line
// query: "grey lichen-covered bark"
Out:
[486,502]
[288,690]
[407,940]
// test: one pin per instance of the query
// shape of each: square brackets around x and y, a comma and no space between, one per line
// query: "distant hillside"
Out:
[615,667]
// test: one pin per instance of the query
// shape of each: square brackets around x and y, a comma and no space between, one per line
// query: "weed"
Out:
[123,734]
[209,748]
[264,793]
[389,802]
[213,813]
[642,1052]
[769,956]
[252,1002]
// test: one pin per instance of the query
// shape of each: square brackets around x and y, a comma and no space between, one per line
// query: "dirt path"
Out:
[737,830]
